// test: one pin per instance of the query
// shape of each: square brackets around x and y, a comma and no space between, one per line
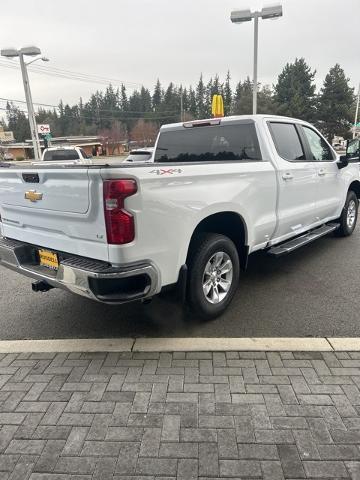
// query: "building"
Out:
[6,137]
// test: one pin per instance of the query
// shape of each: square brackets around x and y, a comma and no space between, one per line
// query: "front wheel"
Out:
[213,274]
[348,215]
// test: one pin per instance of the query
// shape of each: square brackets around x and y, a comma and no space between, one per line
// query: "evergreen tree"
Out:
[192,102]
[201,107]
[242,102]
[146,101]
[335,103]
[295,91]
[157,96]
[265,101]
[227,92]
[124,104]
[17,122]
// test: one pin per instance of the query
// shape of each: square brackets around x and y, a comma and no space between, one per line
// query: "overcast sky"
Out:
[138,41]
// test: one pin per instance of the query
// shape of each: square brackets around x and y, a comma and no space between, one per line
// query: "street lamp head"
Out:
[240,16]
[271,12]
[31,51]
[45,59]
[9,52]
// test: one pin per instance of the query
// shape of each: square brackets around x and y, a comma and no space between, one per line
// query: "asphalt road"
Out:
[312,292]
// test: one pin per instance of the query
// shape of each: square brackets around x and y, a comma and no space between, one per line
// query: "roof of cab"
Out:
[232,119]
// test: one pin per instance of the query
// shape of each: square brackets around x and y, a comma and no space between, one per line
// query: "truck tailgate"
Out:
[58,190]
[57,208]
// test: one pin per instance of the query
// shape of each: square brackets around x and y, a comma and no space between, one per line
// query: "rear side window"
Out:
[209,143]
[56,155]
[287,141]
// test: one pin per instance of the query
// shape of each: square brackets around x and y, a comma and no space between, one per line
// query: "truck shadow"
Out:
[304,293]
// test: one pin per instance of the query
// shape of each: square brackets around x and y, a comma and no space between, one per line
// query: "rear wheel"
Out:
[348,216]
[213,274]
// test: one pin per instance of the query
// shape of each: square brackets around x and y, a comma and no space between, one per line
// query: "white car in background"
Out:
[65,154]
[140,155]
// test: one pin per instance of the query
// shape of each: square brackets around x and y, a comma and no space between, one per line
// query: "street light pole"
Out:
[255,81]
[30,108]
[356,112]
[241,16]
[32,52]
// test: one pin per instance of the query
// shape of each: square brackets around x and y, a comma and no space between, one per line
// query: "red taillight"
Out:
[120,227]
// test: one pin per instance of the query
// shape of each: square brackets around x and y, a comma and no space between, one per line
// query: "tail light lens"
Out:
[120,226]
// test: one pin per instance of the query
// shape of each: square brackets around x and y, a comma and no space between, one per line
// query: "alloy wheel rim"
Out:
[351,214]
[217,277]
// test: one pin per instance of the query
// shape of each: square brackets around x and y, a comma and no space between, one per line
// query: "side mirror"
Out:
[343,162]
[353,150]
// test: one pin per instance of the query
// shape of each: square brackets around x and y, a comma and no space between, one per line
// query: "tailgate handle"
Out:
[31,177]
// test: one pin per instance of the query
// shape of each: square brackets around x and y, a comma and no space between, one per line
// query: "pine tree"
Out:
[227,94]
[124,104]
[295,91]
[17,122]
[201,107]
[335,102]
[242,102]
[265,101]
[192,103]
[157,96]
[146,101]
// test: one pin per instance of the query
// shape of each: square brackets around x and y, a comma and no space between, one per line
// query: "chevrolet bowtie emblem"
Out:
[33,195]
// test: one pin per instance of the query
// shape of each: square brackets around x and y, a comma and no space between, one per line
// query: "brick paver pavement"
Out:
[182,415]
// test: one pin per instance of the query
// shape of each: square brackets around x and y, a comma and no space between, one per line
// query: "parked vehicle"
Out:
[218,190]
[140,155]
[65,154]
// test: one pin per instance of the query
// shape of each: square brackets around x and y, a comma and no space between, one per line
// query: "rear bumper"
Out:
[86,277]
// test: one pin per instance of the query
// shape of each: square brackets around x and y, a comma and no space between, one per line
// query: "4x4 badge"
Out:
[166,171]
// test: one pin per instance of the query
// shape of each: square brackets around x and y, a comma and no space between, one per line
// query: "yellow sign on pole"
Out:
[217,106]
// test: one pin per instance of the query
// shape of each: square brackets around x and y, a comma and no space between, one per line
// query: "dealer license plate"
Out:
[48,259]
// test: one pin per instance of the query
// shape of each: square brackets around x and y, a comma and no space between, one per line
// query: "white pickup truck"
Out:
[218,190]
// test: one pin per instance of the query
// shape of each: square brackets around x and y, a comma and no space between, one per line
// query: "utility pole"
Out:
[30,107]
[356,112]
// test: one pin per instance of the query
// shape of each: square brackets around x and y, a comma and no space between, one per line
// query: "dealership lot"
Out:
[312,292]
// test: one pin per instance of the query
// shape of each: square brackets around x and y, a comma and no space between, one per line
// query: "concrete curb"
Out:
[67,345]
[181,345]
[230,344]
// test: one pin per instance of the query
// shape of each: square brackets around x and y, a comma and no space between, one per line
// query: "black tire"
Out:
[346,227]
[203,249]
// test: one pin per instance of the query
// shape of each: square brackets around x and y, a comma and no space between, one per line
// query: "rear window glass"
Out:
[210,143]
[55,155]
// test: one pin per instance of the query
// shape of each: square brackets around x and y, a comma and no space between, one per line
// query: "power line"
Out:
[87,117]
[57,72]
[100,110]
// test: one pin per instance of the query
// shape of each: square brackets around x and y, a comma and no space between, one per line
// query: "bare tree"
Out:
[115,136]
[144,133]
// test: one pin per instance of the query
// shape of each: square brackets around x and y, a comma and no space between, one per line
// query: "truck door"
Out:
[331,183]
[297,181]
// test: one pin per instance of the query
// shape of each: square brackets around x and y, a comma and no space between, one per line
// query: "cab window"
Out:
[319,149]
[287,141]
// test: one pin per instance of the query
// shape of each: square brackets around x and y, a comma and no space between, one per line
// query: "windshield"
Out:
[210,143]
[64,154]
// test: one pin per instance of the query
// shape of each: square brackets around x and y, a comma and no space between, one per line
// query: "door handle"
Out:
[288,176]
[321,172]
